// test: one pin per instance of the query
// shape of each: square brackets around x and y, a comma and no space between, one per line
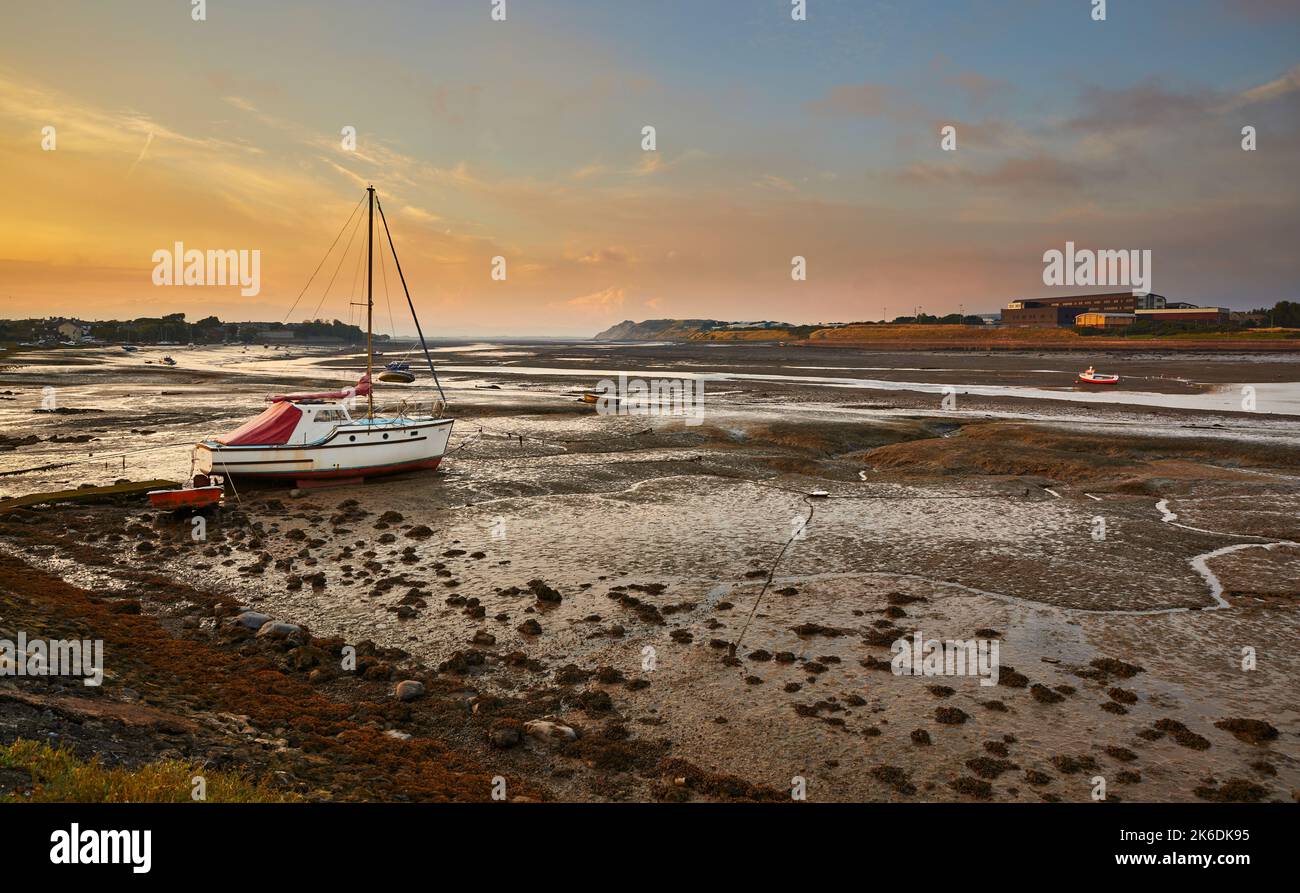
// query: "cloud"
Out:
[772,181]
[419,215]
[978,86]
[607,299]
[143,151]
[859,100]
[604,256]
[1278,87]
[1139,107]
[1034,173]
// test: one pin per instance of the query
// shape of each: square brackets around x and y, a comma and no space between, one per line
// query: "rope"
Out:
[322,261]
[731,649]
[99,458]
[337,267]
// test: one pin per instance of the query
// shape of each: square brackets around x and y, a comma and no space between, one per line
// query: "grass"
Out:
[61,777]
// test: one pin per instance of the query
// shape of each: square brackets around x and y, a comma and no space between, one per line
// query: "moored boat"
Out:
[1091,376]
[325,436]
[397,372]
[302,437]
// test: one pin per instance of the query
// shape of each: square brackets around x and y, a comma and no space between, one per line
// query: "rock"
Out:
[1251,731]
[530,627]
[252,620]
[549,732]
[505,733]
[544,592]
[274,629]
[409,690]
[420,531]
[483,637]
[399,735]
[951,716]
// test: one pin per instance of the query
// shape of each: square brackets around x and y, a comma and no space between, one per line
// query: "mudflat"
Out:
[650,604]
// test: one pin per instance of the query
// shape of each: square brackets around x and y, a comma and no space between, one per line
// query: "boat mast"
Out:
[370,304]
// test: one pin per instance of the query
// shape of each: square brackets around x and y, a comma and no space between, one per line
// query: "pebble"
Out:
[409,690]
[550,732]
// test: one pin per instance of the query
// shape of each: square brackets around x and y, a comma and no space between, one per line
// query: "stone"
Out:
[409,690]
[275,629]
[549,732]
[252,620]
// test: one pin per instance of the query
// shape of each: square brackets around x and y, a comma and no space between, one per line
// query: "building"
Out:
[1096,320]
[70,331]
[1062,311]
[1208,315]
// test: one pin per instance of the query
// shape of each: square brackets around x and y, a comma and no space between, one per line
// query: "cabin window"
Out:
[352,437]
[331,415]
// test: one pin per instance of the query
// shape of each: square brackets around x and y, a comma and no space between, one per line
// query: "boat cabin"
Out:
[288,422]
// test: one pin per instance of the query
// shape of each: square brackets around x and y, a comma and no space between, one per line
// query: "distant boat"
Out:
[310,437]
[397,372]
[1091,376]
[130,348]
[167,361]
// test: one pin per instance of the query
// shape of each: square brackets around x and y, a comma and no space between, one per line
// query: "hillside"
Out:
[657,329]
[904,336]
[702,329]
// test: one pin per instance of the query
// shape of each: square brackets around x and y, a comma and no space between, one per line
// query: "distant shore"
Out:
[923,337]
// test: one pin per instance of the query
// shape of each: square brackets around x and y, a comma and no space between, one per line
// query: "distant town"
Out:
[174,329]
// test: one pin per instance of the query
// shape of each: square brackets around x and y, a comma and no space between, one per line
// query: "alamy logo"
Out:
[77,847]
[53,657]
[1126,269]
[657,397]
[181,266]
[951,657]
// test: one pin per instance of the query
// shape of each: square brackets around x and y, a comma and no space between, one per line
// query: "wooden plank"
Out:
[128,489]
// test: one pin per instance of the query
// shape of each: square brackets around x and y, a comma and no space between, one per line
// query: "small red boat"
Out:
[1091,376]
[200,495]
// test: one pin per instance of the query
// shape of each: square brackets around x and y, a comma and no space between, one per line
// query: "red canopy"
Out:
[271,428]
[360,389]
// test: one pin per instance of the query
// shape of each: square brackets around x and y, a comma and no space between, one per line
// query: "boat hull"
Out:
[193,498]
[1113,379]
[396,377]
[351,451]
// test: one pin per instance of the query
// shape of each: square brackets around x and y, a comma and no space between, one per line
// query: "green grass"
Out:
[61,777]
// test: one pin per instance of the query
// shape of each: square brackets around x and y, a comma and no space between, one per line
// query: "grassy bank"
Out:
[59,776]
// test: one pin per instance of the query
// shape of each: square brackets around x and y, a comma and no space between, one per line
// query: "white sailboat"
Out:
[321,436]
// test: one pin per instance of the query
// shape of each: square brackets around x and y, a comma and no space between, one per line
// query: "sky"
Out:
[522,139]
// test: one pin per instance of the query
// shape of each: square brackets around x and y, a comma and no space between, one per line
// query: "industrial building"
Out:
[1185,313]
[1108,310]
[1096,320]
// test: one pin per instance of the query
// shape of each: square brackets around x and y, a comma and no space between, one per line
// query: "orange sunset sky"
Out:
[523,139]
